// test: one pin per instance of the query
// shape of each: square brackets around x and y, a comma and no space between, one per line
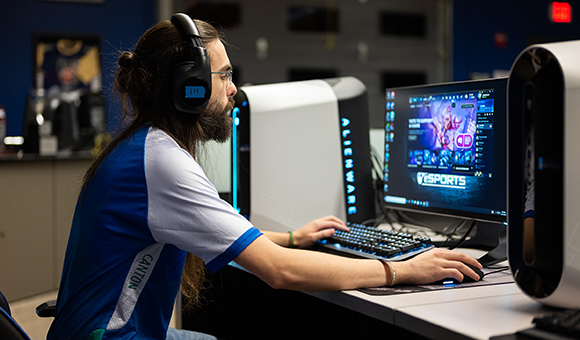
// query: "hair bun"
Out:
[127,59]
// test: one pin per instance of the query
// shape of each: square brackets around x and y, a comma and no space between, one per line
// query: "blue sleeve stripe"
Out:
[233,250]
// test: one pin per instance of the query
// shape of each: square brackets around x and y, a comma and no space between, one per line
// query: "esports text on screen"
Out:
[445,149]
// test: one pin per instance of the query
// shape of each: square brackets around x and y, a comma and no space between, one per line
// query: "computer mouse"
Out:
[476,270]
[466,279]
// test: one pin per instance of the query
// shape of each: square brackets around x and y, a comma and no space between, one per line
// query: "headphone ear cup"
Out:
[191,91]
[191,79]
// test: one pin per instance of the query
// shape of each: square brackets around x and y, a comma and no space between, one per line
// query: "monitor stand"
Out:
[499,252]
[491,237]
[486,236]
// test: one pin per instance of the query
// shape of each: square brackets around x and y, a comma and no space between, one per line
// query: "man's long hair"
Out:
[144,82]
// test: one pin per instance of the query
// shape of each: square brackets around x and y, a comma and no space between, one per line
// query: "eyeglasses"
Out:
[226,75]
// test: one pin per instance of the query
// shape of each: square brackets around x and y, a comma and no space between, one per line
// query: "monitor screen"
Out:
[445,149]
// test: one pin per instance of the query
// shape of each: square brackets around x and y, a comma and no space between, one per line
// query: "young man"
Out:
[146,206]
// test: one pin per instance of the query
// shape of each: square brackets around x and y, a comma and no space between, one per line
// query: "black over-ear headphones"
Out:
[191,79]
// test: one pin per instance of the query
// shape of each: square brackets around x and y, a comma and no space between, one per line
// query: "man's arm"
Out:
[305,270]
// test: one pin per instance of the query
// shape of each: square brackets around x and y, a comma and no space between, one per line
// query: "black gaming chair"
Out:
[9,328]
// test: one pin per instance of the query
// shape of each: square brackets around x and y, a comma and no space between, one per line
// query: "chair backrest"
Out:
[9,328]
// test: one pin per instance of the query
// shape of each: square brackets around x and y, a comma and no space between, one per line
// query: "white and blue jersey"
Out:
[148,205]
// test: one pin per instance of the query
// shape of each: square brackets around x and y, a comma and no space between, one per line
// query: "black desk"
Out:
[241,306]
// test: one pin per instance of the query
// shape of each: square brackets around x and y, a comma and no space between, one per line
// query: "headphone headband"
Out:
[187,27]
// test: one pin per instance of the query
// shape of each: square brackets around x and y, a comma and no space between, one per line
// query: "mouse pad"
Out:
[491,278]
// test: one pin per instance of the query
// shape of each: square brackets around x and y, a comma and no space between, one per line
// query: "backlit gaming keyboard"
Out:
[563,324]
[372,242]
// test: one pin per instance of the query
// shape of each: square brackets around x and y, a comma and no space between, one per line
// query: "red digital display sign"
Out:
[560,12]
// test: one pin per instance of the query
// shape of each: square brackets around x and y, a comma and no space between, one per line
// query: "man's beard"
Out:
[215,121]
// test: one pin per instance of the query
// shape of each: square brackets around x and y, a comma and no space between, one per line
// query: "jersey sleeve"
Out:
[185,209]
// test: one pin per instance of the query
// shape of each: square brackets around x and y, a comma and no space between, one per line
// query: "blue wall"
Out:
[122,22]
[119,22]
[475,24]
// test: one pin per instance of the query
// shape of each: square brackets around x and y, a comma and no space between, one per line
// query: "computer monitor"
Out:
[445,150]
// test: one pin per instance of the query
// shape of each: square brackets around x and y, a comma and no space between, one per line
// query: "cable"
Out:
[415,222]
[497,270]
[378,182]
[464,237]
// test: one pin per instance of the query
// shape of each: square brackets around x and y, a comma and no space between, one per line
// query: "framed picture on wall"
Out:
[87,1]
[65,63]
[65,111]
